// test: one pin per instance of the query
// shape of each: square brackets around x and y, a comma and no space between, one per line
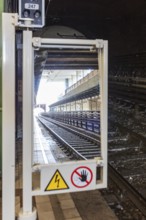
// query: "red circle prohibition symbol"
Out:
[78,174]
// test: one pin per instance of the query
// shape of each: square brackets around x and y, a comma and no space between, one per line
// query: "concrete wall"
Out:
[126,36]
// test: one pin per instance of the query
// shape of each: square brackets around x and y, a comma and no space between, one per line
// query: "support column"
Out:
[78,75]
[1,10]
[8,117]
[86,104]
[27,212]
[66,83]
[73,79]
[103,66]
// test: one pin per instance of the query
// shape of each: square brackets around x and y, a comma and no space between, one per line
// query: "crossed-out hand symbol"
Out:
[84,175]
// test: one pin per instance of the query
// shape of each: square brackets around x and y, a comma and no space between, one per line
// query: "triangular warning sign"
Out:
[57,182]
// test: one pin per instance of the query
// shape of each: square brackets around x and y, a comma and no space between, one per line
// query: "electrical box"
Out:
[33,10]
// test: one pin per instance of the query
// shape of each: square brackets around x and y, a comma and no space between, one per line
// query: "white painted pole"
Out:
[103,67]
[27,211]
[8,116]
[27,120]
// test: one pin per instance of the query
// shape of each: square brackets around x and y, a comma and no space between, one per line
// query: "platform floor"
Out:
[74,206]
[42,145]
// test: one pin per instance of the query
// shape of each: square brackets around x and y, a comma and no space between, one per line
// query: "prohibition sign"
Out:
[81,177]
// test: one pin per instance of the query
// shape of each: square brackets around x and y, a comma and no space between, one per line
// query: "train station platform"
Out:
[88,205]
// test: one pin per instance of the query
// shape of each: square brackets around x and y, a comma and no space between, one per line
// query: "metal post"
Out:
[105,81]
[1,10]
[27,211]
[103,63]
[8,116]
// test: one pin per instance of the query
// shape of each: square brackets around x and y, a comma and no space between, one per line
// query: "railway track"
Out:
[79,145]
[128,190]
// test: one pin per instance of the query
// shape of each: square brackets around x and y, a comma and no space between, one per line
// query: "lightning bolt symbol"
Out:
[57,180]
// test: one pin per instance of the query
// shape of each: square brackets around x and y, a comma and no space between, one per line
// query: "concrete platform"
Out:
[42,151]
[74,206]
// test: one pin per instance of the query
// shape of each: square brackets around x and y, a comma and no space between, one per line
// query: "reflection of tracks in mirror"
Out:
[78,144]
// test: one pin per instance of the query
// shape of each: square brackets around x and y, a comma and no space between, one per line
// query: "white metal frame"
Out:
[8,116]
[103,67]
[102,47]
[8,144]
[28,73]
[27,211]
[67,43]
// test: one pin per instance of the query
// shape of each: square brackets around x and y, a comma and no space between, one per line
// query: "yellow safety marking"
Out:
[57,182]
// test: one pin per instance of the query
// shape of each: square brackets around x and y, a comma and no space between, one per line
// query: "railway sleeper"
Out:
[87,154]
[82,145]
[88,151]
[87,147]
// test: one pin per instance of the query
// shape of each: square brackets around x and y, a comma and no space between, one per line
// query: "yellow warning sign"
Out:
[57,182]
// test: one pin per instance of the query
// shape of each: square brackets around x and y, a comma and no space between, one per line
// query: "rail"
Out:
[137,199]
[81,145]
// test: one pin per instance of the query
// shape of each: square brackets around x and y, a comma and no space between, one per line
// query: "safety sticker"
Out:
[57,182]
[81,177]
